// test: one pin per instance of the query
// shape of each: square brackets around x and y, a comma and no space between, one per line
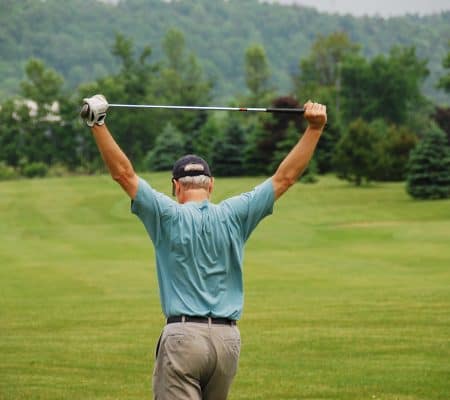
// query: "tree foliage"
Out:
[74,37]
[442,118]
[320,72]
[444,81]
[39,127]
[176,80]
[367,119]
[227,157]
[393,149]
[384,87]
[356,153]
[257,74]
[169,147]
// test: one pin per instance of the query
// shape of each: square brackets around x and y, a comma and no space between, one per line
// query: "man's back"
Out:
[199,248]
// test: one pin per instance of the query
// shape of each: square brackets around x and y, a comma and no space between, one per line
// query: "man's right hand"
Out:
[94,110]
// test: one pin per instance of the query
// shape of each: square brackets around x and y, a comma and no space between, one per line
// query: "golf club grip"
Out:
[286,110]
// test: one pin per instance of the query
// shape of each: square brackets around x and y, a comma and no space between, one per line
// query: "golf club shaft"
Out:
[241,109]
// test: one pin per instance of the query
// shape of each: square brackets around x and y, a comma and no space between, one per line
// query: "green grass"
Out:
[347,294]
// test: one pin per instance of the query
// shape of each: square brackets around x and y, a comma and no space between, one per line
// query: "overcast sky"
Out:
[385,8]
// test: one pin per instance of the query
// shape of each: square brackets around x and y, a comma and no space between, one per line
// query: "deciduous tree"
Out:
[257,74]
[356,153]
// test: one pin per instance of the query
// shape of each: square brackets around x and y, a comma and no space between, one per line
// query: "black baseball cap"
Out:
[190,165]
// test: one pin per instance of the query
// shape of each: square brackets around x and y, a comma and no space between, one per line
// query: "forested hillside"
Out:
[75,37]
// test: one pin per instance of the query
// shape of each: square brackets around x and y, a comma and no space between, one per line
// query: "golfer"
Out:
[199,255]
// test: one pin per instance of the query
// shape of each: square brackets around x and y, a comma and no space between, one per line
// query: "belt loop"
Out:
[183,319]
[209,322]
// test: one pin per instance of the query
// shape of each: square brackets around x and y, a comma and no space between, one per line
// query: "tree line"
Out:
[377,113]
[74,37]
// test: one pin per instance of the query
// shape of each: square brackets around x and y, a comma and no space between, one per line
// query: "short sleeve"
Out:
[251,207]
[152,207]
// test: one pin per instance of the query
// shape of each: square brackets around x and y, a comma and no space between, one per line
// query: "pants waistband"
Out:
[203,320]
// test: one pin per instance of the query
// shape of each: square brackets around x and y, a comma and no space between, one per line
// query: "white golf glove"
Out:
[94,110]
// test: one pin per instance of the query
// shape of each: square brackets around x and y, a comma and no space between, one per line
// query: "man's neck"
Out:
[195,195]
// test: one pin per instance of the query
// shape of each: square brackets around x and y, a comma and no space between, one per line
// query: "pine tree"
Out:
[202,145]
[228,150]
[255,160]
[169,146]
[429,167]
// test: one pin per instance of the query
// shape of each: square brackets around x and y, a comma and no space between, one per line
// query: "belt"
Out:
[203,320]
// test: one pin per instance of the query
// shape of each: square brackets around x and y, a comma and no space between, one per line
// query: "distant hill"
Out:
[75,37]
[384,8]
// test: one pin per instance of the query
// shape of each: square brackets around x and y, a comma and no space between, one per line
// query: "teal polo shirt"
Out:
[199,248]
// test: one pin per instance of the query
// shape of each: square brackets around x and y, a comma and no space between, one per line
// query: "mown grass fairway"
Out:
[347,294]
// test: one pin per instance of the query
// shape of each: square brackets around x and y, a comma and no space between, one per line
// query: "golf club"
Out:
[212,108]
[85,108]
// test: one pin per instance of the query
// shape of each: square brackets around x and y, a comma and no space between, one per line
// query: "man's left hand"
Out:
[316,115]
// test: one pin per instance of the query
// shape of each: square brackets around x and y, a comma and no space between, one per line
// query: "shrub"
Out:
[58,170]
[7,172]
[34,170]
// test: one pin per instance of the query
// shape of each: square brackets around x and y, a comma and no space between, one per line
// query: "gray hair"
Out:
[195,182]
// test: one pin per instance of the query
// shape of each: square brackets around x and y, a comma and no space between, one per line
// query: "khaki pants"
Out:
[196,361]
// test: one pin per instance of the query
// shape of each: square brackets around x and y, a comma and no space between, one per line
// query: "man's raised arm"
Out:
[295,163]
[118,164]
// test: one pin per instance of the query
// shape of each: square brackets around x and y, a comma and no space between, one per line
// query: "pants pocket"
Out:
[233,346]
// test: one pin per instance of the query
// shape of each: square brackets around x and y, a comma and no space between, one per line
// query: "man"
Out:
[199,253]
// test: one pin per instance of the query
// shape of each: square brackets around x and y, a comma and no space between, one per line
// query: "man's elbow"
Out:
[282,184]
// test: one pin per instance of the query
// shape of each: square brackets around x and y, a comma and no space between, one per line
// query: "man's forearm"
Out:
[297,160]
[295,163]
[116,161]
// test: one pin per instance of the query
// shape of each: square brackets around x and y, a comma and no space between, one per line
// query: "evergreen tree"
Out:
[169,146]
[256,161]
[429,167]
[203,142]
[228,150]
